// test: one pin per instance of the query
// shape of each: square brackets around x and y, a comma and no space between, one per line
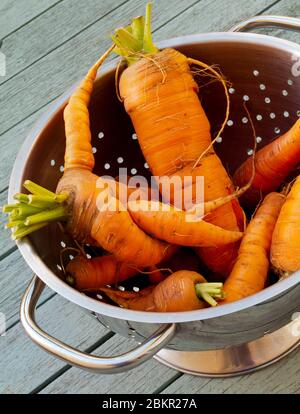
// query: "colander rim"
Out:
[59,286]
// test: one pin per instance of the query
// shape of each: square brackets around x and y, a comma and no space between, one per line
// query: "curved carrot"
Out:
[90,274]
[174,227]
[78,152]
[285,249]
[250,271]
[182,291]
[273,163]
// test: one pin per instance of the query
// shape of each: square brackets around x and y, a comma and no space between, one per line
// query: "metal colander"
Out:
[263,72]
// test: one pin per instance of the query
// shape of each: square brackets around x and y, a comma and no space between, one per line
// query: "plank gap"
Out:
[37,307]
[30,20]
[8,252]
[66,368]
[63,43]
[169,382]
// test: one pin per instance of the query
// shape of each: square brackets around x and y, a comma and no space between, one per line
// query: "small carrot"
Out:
[249,274]
[273,163]
[91,274]
[285,249]
[182,291]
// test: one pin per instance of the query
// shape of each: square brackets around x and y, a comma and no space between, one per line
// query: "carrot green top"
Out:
[135,41]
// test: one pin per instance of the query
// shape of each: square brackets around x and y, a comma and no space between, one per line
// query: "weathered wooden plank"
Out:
[212,15]
[282,377]
[143,379]
[15,276]
[25,365]
[15,13]
[6,243]
[50,76]
[12,141]
[50,30]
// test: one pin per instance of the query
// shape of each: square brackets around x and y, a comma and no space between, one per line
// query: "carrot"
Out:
[182,291]
[273,163]
[285,249]
[173,226]
[161,97]
[250,271]
[90,274]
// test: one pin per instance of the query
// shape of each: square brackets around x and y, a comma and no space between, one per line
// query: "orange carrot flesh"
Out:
[173,226]
[174,294]
[77,124]
[90,274]
[273,163]
[112,229]
[250,271]
[285,250]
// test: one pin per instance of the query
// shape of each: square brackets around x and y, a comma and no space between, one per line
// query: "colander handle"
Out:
[72,356]
[284,22]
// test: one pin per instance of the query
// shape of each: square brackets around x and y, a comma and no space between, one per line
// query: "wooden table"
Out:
[49,44]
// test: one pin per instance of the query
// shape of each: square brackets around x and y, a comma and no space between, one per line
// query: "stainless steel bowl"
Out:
[262,71]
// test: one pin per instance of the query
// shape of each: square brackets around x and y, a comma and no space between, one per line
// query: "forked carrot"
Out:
[249,274]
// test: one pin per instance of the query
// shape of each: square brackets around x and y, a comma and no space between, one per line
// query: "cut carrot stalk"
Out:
[181,291]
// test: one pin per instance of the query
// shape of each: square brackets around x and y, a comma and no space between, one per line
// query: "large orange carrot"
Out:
[161,97]
[273,163]
[250,271]
[285,249]
[182,291]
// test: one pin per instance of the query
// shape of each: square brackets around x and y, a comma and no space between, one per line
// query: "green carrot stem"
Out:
[149,47]
[37,189]
[27,210]
[23,198]
[24,231]
[134,41]
[14,223]
[58,213]
[8,208]
[209,291]
[137,29]
[42,202]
